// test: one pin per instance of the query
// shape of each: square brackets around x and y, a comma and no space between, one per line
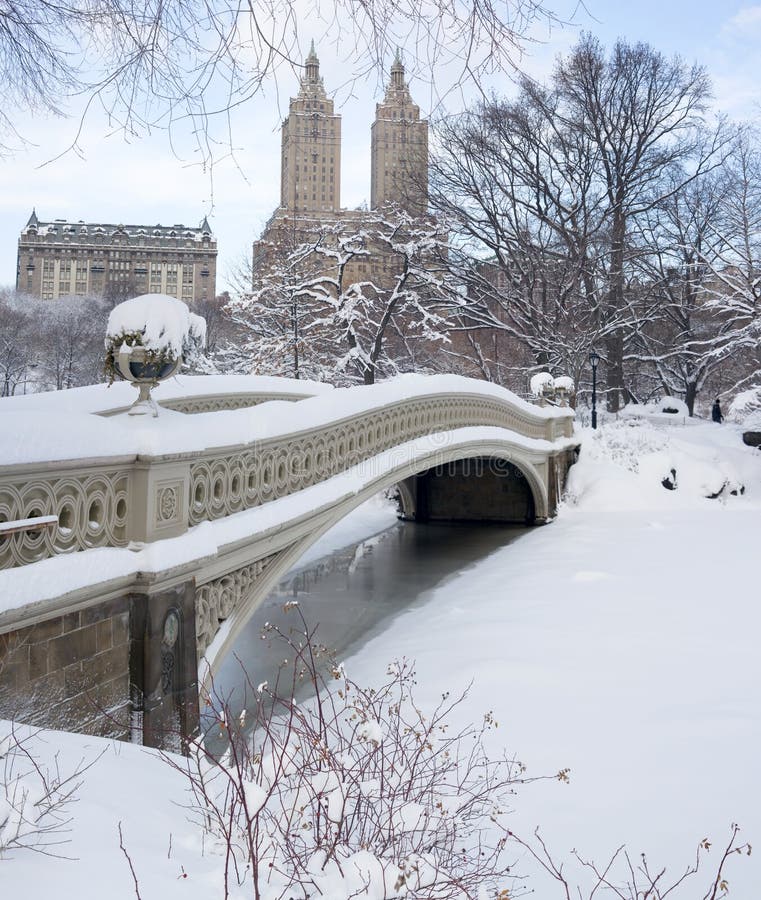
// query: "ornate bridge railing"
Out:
[123,495]
[91,500]
[221,484]
[214,403]
[126,631]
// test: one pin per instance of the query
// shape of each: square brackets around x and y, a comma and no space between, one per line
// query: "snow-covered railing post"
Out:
[563,387]
[547,389]
[146,340]
[542,387]
[160,491]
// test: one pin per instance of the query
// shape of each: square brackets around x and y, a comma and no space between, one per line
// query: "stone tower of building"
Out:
[311,148]
[399,148]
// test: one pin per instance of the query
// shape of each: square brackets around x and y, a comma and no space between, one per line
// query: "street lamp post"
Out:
[594,358]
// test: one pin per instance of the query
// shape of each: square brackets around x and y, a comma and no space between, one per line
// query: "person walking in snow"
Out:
[716,413]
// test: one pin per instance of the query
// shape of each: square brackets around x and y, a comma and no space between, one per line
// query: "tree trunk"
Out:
[690,395]
[616,391]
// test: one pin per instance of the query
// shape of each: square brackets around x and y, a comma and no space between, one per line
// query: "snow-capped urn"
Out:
[546,388]
[563,387]
[147,339]
[541,385]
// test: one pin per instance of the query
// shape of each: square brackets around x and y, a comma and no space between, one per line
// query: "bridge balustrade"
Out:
[112,502]
[132,640]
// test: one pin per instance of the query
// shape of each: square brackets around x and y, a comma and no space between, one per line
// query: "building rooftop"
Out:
[80,228]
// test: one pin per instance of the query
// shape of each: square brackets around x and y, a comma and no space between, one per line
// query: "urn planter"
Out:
[145,371]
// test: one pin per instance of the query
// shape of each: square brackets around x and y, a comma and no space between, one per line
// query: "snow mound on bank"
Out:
[113,785]
[662,410]
[745,409]
[633,463]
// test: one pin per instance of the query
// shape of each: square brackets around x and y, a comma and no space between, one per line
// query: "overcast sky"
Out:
[144,182]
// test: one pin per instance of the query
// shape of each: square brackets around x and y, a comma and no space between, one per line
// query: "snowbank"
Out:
[637,464]
[620,641]
[746,406]
[124,785]
[666,409]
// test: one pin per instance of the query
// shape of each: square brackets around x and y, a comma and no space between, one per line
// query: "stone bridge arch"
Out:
[226,604]
[200,521]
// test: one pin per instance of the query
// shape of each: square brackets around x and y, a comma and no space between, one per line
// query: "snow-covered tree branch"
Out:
[358,301]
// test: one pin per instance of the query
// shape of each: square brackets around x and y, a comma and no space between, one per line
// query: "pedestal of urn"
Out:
[135,365]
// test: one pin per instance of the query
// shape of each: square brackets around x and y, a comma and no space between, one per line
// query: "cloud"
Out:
[745,20]
[734,63]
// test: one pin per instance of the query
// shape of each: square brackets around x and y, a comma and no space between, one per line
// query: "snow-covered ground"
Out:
[620,641]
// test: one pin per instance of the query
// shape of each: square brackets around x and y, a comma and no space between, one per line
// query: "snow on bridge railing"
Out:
[115,480]
[22,526]
[183,393]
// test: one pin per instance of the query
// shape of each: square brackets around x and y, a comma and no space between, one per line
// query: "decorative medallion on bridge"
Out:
[167,504]
[168,641]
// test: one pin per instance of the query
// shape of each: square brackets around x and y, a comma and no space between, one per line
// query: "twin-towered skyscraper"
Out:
[311,149]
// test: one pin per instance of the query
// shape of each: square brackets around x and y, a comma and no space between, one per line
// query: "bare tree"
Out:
[549,189]
[188,63]
[219,327]
[672,345]
[70,333]
[18,352]
[521,192]
[355,792]
[35,798]
[732,256]
[118,290]
[50,345]
[273,317]
[400,302]
[625,878]
[642,114]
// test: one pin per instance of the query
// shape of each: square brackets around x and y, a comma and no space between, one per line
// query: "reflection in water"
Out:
[354,594]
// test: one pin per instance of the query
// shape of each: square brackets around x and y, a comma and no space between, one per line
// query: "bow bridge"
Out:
[133,551]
